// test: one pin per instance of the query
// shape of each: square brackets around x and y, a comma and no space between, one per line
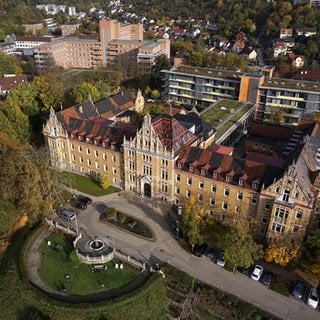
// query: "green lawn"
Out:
[59,271]
[84,184]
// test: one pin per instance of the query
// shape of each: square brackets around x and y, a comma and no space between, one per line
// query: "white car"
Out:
[257,272]
[313,298]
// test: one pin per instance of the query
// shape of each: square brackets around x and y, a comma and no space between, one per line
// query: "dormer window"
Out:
[79,138]
[179,165]
[203,171]
[228,179]
[255,185]
[87,140]
[191,168]
[214,175]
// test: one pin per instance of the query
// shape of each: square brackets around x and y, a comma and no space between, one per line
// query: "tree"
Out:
[18,121]
[9,65]
[105,181]
[24,96]
[162,63]
[50,91]
[26,179]
[192,221]
[281,252]
[240,248]
[84,90]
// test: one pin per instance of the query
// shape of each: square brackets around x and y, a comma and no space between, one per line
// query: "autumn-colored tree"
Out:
[281,252]
[192,222]
[316,116]
[26,179]
[105,181]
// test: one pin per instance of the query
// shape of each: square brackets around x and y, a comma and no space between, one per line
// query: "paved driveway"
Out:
[166,248]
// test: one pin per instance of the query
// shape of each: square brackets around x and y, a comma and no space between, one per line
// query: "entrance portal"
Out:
[147,190]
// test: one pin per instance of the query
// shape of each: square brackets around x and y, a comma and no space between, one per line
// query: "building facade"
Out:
[170,158]
[280,101]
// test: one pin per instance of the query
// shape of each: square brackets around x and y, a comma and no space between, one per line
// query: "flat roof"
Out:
[290,84]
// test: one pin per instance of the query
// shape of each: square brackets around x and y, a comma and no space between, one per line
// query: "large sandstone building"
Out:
[171,157]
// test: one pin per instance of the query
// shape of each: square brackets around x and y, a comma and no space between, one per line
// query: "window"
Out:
[277,189]
[278,228]
[105,167]
[213,188]
[88,151]
[79,148]
[200,197]
[255,185]
[267,206]
[179,165]
[114,170]
[239,196]
[89,162]
[164,188]
[214,175]
[228,179]
[286,196]
[299,214]
[164,175]
[264,220]
[237,209]
[191,168]
[296,195]
[189,181]
[212,202]
[295,228]
[97,165]
[72,146]
[188,193]
[224,205]
[177,190]
[164,162]
[201,184]
[96,153]
[113,159]
[104,156]
[282,213]
[241,182]
[81,159]
[73,157]
[178,177]
[253,200]
[203,171]
[226,192]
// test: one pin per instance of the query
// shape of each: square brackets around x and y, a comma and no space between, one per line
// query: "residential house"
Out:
[286,33]
[297,60]
[11,81]
[306,32]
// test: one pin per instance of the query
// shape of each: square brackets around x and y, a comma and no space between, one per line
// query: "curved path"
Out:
[165,248]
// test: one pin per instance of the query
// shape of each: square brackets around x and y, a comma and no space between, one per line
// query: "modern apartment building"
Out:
[171,157]
[113,41]
[278,100]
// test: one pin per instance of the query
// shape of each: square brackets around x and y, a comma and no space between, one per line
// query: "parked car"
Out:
[267,278]
[298,289]
[84,199]
[257,272]
[210,253]
[246,271]
[313,298]
[219,259]
[78,204]
[199,249]
[67,214]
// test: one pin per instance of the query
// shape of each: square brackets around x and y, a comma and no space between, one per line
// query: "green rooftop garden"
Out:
[222,117]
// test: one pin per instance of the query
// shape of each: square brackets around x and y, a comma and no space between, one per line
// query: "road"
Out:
[165,248]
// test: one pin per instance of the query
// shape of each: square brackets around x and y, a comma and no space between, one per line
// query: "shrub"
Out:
[122,218]
[110,213]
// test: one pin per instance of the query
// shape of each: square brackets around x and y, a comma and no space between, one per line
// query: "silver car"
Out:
[257,272]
